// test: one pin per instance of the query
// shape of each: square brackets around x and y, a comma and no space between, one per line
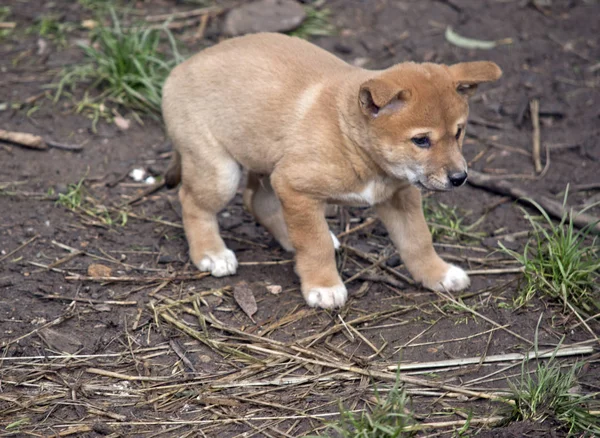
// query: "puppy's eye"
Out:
[422,142]
[458,133]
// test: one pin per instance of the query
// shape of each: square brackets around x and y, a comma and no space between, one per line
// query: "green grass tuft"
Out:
[560,262]
[553,394]
[78,200]
[316,23]
[389,418]
[125,65]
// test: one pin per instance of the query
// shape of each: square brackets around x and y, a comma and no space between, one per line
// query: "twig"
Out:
[534,108]
[125,376]
[378,374]
[19,248]
[149,191]
[552,207]
[64,146]
[495,271]
[24,139]
[372,259]
[365,224]
[562,352]
[87,300]
[141,279]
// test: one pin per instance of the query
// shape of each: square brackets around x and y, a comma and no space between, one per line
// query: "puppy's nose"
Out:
[458,179]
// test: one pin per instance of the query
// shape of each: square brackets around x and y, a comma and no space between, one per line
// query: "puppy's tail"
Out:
[173,174]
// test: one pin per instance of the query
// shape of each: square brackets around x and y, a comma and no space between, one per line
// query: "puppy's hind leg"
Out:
[260,199]
[206,190]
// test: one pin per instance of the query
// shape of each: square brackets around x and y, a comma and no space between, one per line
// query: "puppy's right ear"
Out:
[377,96]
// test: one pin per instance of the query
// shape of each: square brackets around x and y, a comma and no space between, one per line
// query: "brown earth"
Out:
[92,357]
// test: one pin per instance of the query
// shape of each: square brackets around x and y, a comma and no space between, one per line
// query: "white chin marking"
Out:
[455,279]
[219,265]
[336,242]
[327,297]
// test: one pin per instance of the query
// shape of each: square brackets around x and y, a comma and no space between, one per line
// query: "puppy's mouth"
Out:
[433,186]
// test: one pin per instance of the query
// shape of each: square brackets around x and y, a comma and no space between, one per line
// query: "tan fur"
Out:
[313,130]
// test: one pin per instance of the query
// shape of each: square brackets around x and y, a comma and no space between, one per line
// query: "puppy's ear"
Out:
[467,75]
[377,96]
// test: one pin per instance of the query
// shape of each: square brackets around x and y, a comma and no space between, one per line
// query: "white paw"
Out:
[219,265]
[455,279]
[336,242]
[327,297]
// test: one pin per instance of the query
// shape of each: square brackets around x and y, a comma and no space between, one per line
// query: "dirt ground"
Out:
[161,350]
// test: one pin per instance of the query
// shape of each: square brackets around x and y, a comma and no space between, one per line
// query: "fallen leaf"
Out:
[98,270]
[245,298]
[471,43]
[122,123]
[274,289]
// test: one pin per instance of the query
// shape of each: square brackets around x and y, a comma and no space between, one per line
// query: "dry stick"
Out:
[87,300]
[19,248]
[126,376]
[64,146]
[365,224]
[495,271]
[368,268]
[147,192]
[489,420]
[65,259]
[381,375]
[141,279]
[562,352]
[552,207]
[371,259]
[24,139]
[534,109]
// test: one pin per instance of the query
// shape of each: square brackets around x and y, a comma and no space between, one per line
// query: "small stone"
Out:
[275,289]
[264,16]
[164,259]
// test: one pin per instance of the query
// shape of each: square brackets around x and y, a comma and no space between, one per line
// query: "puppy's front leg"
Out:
[404,219]
[315,256]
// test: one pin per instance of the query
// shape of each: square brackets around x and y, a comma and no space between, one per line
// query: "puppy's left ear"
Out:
[467,75]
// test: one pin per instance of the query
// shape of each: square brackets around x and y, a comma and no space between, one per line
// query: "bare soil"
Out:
[163,350]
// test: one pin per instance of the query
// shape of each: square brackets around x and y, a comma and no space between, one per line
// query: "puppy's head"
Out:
[416,117]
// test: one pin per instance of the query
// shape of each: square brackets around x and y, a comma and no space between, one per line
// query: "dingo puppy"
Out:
[313,130]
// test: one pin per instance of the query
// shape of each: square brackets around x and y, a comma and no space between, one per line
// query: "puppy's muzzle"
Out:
[457,179]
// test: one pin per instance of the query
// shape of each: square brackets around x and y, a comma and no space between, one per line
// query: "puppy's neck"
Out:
[354,129]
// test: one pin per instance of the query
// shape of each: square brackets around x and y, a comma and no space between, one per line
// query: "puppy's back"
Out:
[243,91]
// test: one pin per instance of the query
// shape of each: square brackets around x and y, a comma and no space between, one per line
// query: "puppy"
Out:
[312,130]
